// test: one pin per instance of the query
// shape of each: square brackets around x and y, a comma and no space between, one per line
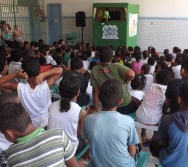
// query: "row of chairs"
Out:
[142,162]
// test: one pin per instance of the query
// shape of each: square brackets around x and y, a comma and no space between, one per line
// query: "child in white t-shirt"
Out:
[66,113]
[35,95]
[150,110]
[137,84]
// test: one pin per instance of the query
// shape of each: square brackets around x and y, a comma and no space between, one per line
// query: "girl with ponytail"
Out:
[66,113]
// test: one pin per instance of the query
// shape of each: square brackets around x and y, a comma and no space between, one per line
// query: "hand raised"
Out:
[22,74]
[39,79]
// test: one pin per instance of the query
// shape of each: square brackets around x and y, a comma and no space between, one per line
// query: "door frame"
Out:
[48,5]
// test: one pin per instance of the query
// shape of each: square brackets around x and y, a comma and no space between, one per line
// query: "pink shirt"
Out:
[137,65]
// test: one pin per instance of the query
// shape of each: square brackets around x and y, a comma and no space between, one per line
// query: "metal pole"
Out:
[14,13]
[82,38]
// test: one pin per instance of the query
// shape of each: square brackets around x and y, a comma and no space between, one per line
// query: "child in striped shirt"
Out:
[33,147]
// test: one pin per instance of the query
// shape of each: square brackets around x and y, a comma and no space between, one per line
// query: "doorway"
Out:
[54,22]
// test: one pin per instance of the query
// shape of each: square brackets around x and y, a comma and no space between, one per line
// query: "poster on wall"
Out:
[133,21]
[110,32]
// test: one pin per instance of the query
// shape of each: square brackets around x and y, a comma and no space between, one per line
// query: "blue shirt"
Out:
[109,134]
[176,153]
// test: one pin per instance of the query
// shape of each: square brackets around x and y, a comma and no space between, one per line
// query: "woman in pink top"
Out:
[137,65]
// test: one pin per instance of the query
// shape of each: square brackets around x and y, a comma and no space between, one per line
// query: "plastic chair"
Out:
[143,159]
[132,115]
[54,93]
[72,38]
[155,160]
[149,127]
[142,162]
[81,153]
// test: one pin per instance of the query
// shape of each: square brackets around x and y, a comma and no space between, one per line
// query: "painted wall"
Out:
[162,24]
[148,8]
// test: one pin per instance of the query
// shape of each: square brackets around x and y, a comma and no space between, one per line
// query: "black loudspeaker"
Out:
[80,19]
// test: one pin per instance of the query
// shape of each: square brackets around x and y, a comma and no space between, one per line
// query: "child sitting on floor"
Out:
[66,113]
[150,110]
[33,147]
[111,135]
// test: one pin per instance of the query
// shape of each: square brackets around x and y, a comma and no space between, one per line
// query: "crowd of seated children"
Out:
[112,140]
[101,72]
[137,85]
[66,113]
[150,110]
[46,148]
[33,96]
[170,142]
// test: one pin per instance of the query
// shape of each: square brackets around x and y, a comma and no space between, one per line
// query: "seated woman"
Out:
[8,39]
[18,35]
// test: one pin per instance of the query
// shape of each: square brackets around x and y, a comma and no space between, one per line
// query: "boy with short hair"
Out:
[35,95]
[33,147]
[111,135]
[170,143]
[4,143]
[77,68]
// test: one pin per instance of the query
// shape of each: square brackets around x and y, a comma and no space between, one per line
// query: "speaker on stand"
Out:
[81,22]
